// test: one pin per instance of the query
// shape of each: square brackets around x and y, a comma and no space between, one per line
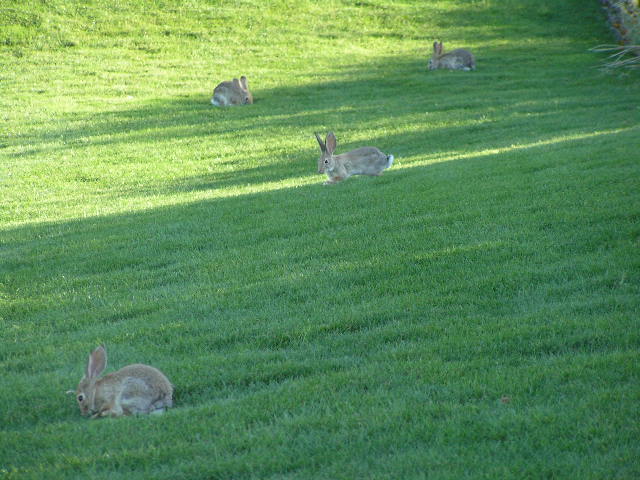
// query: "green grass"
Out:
[472,313]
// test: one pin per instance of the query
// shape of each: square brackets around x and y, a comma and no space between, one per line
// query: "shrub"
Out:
[624,18]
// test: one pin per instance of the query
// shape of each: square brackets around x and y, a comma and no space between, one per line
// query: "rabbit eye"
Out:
[80,397]
[326,161]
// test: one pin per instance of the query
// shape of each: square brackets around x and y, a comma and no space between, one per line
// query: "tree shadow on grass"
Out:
[460,111]
[359,93]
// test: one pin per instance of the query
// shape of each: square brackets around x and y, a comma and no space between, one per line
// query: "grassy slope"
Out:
[364,330]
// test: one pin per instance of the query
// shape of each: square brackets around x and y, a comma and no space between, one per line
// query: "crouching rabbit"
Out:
[134,389]
[459,59]
[362,161]
[235,92]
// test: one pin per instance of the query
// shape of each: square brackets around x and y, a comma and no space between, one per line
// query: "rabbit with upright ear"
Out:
[362,161]
[134,389]
[459,59]
[235,92]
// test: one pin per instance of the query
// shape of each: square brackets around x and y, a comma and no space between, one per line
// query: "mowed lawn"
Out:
[473,313]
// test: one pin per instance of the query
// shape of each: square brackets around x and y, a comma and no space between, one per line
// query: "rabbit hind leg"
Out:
[111,410]
[333,180]
[160,406]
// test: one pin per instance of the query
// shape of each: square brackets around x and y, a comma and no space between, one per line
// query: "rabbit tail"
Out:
[389,161]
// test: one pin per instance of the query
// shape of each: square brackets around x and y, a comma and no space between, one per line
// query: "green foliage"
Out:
[471,313]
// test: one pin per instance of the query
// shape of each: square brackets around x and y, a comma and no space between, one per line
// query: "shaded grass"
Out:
[472,313]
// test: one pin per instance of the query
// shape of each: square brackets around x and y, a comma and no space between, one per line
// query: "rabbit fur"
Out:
[235,92]
[134,389]
[459,59]
[362,161]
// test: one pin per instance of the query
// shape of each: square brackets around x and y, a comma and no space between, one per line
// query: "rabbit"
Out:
[235,92]
[362,161]
[459,59]
[134,389]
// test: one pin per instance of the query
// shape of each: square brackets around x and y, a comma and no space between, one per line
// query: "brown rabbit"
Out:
[459,59]
[235,92]
[134,389]
[362,161]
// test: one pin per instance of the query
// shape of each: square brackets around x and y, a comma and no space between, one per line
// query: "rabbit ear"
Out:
[236,83]
[331,142]
[323,146]
[435,47]
[244,82]
[440,48]
[97,362]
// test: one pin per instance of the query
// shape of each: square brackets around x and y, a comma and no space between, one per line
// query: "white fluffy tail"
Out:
[389,161]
